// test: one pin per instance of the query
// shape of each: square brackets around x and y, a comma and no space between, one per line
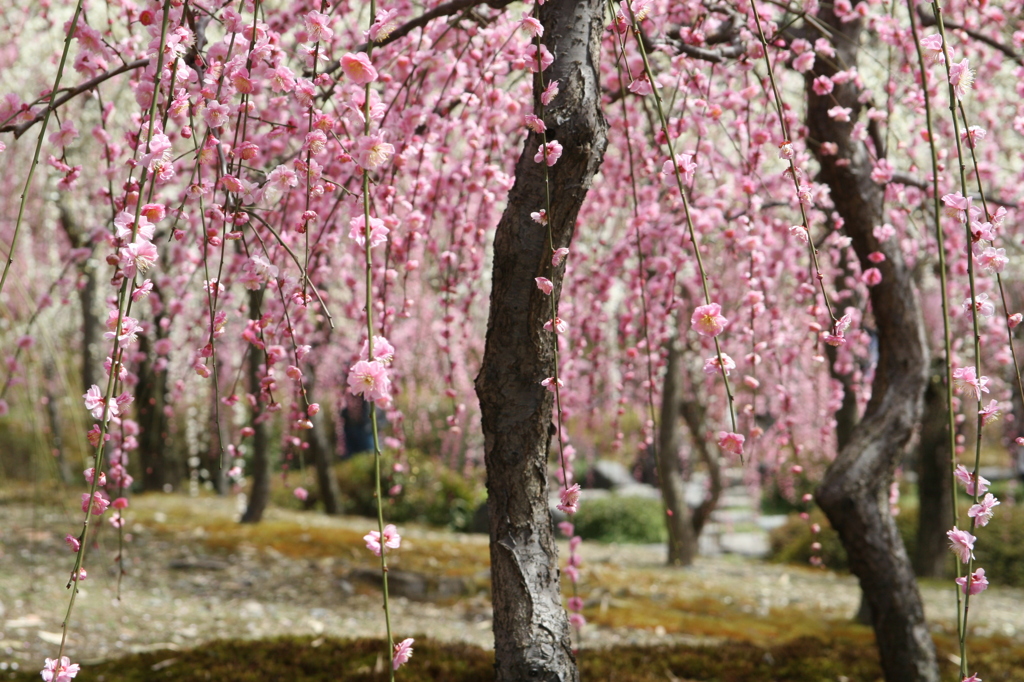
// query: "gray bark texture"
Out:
[854,492]
[531,631]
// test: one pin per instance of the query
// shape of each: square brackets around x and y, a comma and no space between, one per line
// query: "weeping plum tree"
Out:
[763,184]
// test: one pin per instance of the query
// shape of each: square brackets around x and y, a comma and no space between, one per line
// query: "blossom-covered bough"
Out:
[753,216]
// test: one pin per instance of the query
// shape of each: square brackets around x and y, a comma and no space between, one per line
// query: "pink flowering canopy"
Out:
[318,188]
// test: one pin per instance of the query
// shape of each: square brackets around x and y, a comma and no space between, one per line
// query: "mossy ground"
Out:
[745,641]
[806,659]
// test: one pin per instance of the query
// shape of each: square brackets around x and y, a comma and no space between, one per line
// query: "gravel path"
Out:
[178,593]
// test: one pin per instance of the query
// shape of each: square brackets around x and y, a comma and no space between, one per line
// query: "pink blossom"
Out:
[731,442]
[403,652]
[558,256]
[383,25]
[550,92]
[95,503]
[933,47]
[358,68]
[540,217]
[973,135]
[957,206]
[216,114]
[532,26]
[707,320]
[982,304]
[90,473]
[383,351]
[550,383]
[972,678]
[882,172]
[392,540]
[73,542]
[546,58]
[966,379]
[370,379]
[138,256]
[684,163]
[871,277]
[822,86]
[94,403]
[962,544]
[989,413]
[570,499]
[66,135]
[301,494]
[786,150]
[979,583]
[372,152]
[318,25]
[577,620]
[641,86]
[982,511]
[544,284]
[967,478]
[357,231]
[993,260]
[1014,320]
[59,671]
[805,62]
[556,324]
[961,77]
[535,124]
[120,503]
[548,153]
[841,114]
[712,365]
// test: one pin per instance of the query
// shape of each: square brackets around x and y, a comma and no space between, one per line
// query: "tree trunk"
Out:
[157,468]
[531,631]
[934,482]
[260,467]
[682,541]
[854,492]
[87,297]
[684,524]
[321,450]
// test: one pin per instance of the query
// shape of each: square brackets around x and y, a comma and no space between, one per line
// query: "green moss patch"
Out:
[806,659]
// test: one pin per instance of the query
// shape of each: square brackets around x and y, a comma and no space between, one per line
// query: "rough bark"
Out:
[531,631]
[259,497]
[934,482]
[684,524]
[854,491]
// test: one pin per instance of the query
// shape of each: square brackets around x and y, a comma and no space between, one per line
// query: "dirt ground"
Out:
[192,575]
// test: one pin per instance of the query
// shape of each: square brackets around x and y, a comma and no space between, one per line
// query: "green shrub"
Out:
[431,492]
[622,519]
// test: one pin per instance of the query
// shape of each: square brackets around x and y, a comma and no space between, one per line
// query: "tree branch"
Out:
[442,10]
[68,95]
[929,20]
